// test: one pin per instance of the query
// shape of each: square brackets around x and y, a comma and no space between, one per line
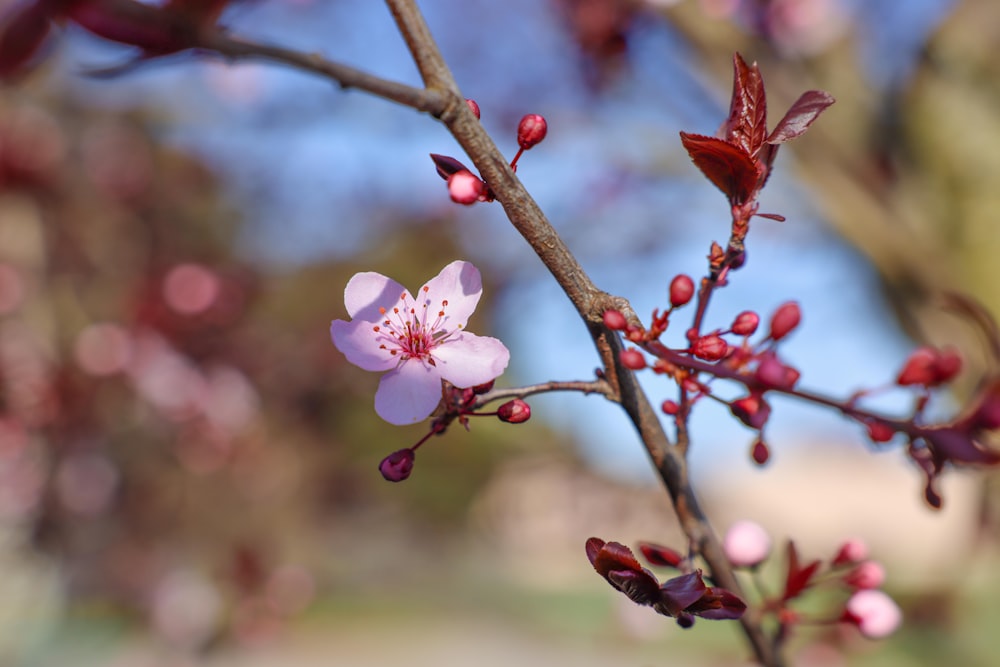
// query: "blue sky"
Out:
[305,157]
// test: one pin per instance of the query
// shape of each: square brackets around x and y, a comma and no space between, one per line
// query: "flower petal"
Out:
[409,393]
[468,359]
[367,291]
[460,285]
[360,344]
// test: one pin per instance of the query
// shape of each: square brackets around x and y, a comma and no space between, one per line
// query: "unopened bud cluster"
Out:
[748,545]
[456,405]
[467,188]
[727,353]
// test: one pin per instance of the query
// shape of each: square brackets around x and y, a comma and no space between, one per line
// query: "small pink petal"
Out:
[360,344]
[367,292]
[408,394]
[468,359]
[461,285]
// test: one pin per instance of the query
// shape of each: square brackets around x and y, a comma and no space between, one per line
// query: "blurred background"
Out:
[188,468]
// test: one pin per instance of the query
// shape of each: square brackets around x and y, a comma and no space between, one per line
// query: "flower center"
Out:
[412,331]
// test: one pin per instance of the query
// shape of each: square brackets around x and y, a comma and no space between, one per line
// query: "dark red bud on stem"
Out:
[531,130]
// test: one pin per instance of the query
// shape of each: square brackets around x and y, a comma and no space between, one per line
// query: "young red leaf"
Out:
[802,114]
[446,165]
[727,166]
[798,577]
[746,126]
[679,593]
[660,555]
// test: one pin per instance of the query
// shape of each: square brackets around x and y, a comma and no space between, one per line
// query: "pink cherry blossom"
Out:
[418,341]
[746,544]
[874,612]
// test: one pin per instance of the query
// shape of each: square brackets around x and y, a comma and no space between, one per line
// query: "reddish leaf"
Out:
[957,446]
[611,556]
[593,547]
[660,555]
[727,166]
[746,126]
[446,166]
[798,577]
[718,604]
[639,586]
[802,114]
[679,593]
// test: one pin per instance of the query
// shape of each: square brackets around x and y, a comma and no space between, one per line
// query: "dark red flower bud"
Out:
[784,320]
[633,359]
[879,431]
[949,364]
[670,407]
[759,452]
[474,107]
[745,323]
[919,368]
[772,373]
[531,130]
[752,410]
[514,412]
[397,466]
[614,320]
[465,188]
[681,290]
[710,348]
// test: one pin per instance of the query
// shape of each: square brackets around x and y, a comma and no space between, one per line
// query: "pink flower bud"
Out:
[473,106]
[759,452]
[614,320]
[866,575]
[531,130]
[745,323]
[875,613]
[465,188]
[633,359]
[397,466]
[746,544]
[514,412]
[851,551]
[681,290]
[670,407]
[710,348]
[784,320]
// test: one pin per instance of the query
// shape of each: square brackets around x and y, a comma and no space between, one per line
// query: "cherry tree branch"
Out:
[442,99]
[421,99]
